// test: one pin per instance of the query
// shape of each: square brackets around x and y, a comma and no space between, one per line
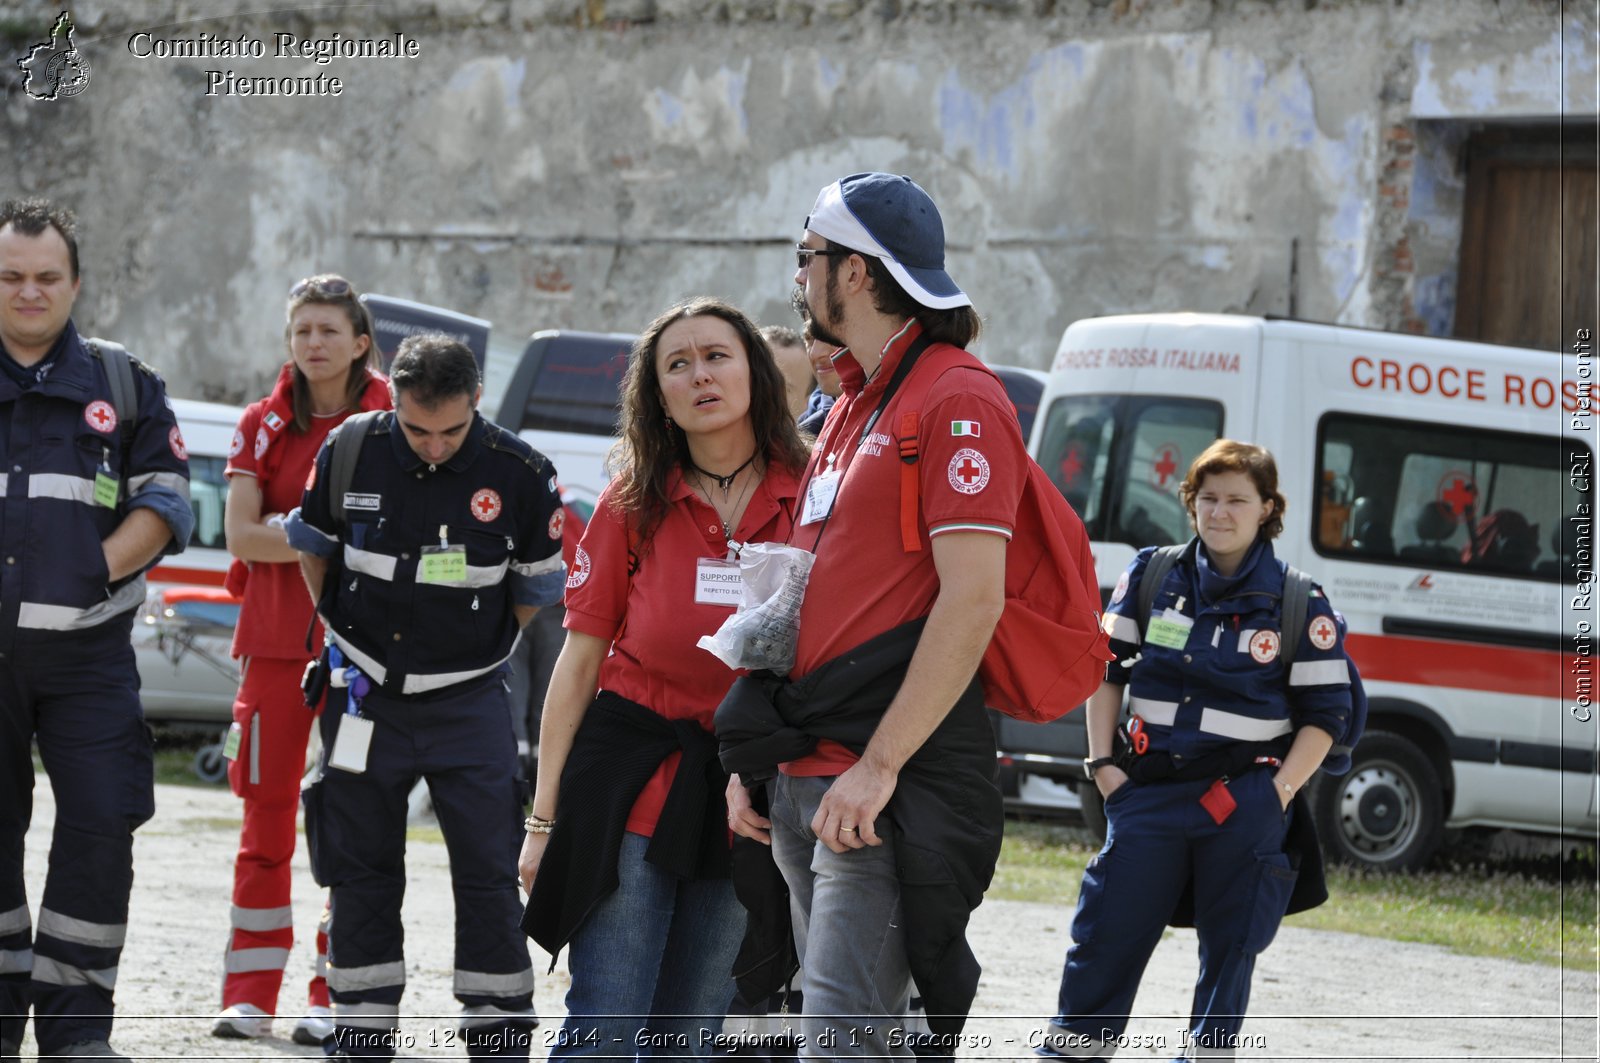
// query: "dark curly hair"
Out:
[649,449]
[30,217]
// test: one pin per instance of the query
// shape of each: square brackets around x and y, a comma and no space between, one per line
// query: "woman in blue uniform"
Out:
[1221,736]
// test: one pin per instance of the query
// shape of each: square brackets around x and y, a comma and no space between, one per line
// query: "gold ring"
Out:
[847,830]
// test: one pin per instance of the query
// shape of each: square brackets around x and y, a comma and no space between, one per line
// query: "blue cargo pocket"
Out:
[1274,884]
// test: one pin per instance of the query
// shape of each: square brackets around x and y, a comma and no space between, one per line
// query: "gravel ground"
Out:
[1318,995]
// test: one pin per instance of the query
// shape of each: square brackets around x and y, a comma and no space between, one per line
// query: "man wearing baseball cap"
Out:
[885,818]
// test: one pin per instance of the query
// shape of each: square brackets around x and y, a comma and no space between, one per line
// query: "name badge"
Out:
[350,744]
[1170,629]
[105,490]
[819,497]
[718,582]
[444,565]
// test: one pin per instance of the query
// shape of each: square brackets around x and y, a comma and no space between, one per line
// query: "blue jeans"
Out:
[848,930]
[651,965]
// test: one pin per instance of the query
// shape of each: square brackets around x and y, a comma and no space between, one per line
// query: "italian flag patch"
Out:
[964,428]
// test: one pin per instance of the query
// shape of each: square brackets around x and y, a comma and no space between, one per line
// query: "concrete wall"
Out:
[583,163]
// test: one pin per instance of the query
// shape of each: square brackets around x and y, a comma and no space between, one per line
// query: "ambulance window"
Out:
[208,494]
[1076,451]
[1165,436]
[1432,496]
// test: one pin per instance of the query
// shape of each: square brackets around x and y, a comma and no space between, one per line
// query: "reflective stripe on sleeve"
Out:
[1122,628]
[553,563]
[16,961]
[81,931]
[1319,673]
[170,480]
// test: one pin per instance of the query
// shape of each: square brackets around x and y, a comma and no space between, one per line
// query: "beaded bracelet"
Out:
[535,825]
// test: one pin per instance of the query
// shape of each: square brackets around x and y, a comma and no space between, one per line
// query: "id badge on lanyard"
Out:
[820,493]
[444,564]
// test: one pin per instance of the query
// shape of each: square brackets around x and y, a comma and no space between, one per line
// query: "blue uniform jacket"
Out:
[1223,680]
[54,437]
[496,497]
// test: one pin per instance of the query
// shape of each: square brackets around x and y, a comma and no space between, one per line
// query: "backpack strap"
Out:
[910,485]
[1296,602]
[347,439]
[1155,573]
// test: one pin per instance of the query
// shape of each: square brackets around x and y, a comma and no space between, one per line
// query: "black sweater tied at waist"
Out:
[947,811]
[618,747]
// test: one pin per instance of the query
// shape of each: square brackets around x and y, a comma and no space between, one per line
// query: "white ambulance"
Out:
[1439,493]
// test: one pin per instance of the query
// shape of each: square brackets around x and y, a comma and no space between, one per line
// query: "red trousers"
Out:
[273,723]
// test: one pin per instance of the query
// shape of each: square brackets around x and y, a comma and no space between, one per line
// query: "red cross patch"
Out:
[969,471]
[558,520]
[1323,633]
[580,569]
[175,441]
[1264,646]
[101,415]
[237,446]
[486,504]
[262,442]
[1121,588]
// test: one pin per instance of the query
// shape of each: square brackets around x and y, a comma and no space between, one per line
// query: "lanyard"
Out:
[901,371]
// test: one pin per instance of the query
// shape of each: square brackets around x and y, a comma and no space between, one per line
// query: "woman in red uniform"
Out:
[331,373]
[635,877]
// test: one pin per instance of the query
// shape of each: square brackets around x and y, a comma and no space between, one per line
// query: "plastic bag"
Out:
[763,631]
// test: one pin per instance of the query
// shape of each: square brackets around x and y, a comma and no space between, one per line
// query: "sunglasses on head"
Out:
[803,254]
[321,286]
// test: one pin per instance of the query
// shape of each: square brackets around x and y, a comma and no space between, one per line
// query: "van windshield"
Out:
[1118,459]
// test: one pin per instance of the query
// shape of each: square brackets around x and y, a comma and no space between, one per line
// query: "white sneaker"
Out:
[315,1026]
[242,1022]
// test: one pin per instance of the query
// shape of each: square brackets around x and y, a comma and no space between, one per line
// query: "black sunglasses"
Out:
[321,286]
[802,254]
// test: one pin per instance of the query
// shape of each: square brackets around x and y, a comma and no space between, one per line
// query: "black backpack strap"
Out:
[347,441]
[119,376]
[1155,573]
[1296,602]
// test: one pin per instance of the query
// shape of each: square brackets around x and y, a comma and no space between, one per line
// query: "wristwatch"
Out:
[1094,764]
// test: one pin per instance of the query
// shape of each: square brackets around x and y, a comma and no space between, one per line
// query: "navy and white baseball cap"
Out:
[892,219]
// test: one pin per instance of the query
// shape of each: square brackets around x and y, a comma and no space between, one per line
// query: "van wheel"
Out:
[1387,812]
[1094,808]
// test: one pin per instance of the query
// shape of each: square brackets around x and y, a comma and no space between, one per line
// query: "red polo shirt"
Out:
[972,464]
[652,619]
[277,607]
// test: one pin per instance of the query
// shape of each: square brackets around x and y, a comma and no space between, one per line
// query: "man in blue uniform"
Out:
[450,541]
[95,481]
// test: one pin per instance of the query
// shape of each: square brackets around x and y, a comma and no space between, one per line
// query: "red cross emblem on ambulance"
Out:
[101,416]
[1323,633]
[486,504]
[969,471]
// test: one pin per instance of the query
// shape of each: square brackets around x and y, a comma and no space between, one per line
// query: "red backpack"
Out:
[1048,653]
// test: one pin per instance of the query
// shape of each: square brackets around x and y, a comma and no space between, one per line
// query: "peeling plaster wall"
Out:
[582,164]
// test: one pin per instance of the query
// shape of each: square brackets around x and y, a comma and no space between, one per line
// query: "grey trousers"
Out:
[848,931]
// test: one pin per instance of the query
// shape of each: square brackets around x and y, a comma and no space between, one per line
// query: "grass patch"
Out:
[1546,917]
